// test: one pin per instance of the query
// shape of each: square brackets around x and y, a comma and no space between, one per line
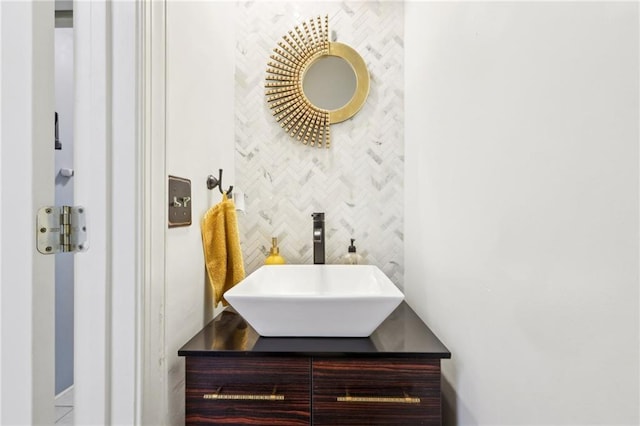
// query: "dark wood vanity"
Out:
[234,376]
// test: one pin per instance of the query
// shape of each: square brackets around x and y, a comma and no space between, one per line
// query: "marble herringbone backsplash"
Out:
[358,182]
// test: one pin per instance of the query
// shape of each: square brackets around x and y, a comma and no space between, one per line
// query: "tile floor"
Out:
[64,407]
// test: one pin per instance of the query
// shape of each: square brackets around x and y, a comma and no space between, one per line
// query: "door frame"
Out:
[110,158]
[153,371]
[107,153]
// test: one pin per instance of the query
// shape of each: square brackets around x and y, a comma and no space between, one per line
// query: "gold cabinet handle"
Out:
[247,397]
[406,399]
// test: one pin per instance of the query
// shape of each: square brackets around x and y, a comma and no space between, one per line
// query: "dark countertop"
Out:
[402,334]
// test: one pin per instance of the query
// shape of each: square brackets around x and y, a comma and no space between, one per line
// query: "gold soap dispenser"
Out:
[274,257]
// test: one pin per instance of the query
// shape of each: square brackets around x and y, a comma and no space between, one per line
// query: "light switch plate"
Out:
[179,202]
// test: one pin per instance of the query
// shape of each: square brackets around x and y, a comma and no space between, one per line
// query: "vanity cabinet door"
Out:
[387,391]
[256,390]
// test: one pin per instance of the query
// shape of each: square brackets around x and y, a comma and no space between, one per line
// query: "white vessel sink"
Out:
[315,300]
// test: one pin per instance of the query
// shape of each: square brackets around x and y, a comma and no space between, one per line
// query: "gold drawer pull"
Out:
[406,399]
[247,397]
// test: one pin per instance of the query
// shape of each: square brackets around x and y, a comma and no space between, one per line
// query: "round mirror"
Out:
[329,83]
[313,83]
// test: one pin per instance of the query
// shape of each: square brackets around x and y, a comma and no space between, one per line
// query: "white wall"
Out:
[199,133]
[522,206]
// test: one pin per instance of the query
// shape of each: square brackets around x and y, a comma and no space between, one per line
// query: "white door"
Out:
[107,184]
[26,182]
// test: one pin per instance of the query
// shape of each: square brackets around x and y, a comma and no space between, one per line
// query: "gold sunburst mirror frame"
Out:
[298,51]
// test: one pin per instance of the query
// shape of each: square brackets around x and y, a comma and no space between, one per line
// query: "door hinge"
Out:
[61,229]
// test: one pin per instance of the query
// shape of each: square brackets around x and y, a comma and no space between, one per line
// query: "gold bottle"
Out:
[274,257]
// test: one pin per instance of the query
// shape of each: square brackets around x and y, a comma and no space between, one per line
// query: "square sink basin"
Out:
[315,300]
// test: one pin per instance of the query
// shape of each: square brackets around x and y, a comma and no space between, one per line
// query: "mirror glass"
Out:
[329,83]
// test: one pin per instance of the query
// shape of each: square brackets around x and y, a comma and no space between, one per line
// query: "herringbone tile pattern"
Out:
[358,182]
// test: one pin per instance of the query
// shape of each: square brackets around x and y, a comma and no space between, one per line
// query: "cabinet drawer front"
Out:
[257,391]
[386,391]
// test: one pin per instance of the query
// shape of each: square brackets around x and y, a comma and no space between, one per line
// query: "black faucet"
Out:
[318,238]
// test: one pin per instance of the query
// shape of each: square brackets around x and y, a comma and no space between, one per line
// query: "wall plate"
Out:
[179,202]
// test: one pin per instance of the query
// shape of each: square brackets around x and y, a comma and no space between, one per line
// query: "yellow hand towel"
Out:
[222,253]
